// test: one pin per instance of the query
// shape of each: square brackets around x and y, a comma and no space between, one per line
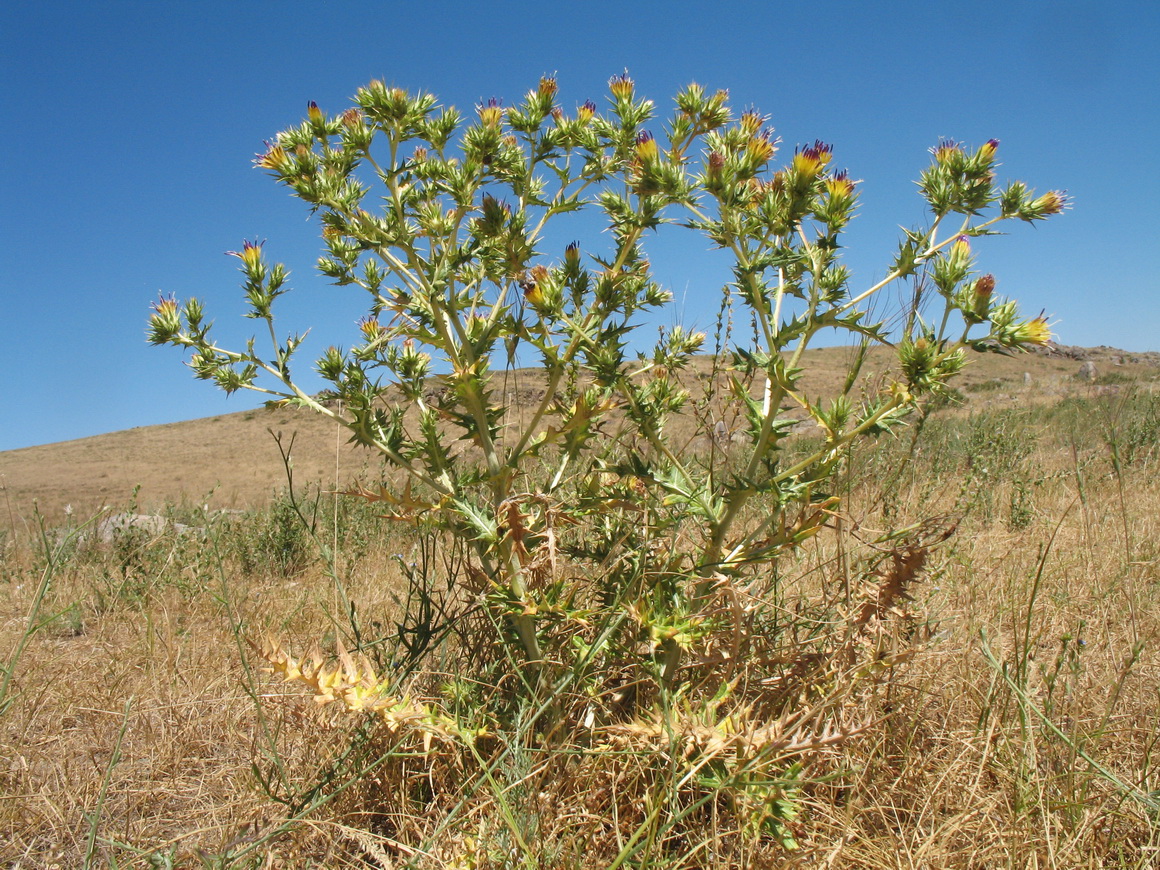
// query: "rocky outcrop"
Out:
[115,525]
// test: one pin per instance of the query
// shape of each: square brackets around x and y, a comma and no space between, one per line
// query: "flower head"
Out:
[370,328]
[762,146]
[165,307]
[715,168]
[978,302]
[572,253]
[621,86]
[274,157]
[810,160]
[646,147]
[250,254]
[1052,202]
[165,321]
[987,149]
[585,113]
[821,151]
[840,184]
[491,112]
[1036,331]
[751,122]
[946,149]
[495,213]
[351,117]
[548,86]
[314,113]
[984,287]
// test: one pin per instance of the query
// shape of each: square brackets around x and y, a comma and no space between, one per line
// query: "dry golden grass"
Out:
[954,778]
[142,652]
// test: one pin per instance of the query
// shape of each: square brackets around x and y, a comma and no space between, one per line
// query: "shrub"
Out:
[614,599]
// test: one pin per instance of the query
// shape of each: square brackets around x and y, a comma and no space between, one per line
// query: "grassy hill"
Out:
[233,462]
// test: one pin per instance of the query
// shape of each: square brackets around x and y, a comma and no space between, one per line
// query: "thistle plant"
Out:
[607,551]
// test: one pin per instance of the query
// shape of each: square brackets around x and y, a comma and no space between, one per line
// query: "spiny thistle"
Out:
[598,542]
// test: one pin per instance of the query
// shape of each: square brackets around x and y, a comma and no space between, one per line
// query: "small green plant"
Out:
[616,582]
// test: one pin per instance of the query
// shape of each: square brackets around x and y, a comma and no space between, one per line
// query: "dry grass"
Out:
[137,719]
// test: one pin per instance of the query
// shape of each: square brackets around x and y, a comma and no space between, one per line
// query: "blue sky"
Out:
[132,126]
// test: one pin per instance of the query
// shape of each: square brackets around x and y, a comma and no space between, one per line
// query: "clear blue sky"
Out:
[132,125]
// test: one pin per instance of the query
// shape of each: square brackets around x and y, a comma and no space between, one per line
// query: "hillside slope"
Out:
[233,461]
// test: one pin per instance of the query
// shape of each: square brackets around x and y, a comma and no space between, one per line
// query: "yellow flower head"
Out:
[1052,202]
[810,161]
[1036,331]
[275,157]
[371,328]
[621,86]
[584,113]
[533,285]
[948,148]
[646,147]
[490,113]
[250,254]
[164,307]
[961,249]
[840,185]
[313,112]
[751,122]
[822,151]
[761,148]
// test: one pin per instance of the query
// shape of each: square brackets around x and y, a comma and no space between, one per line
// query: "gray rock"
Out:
[115,525]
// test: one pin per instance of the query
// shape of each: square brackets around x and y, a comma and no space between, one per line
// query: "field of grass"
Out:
[1012,718]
